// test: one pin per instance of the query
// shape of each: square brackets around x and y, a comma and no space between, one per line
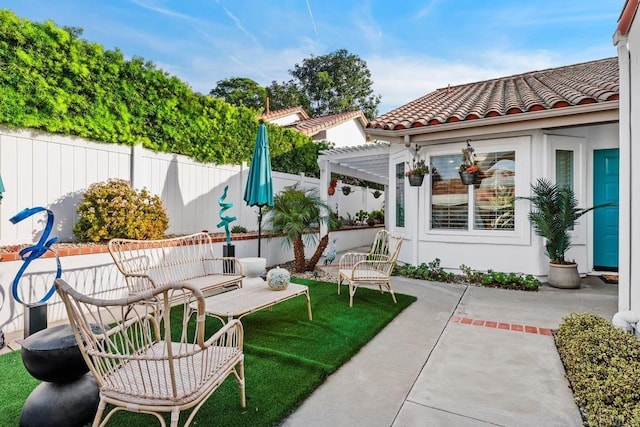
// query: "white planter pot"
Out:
[564,276]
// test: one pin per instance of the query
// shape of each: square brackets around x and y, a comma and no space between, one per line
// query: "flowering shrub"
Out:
[113,209]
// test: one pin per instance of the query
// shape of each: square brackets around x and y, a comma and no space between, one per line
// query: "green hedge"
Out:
[52,80]
[603,367]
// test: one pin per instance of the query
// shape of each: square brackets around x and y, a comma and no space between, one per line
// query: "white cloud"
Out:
[241,27]
[368,28]
[166,12]
[426,9]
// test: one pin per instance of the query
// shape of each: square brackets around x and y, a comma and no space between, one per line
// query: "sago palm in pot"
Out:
[554,213]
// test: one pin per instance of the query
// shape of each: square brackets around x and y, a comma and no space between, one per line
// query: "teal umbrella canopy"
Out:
[259,189]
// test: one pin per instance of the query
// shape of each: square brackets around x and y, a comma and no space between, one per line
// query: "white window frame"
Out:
[577,145]
[400,157]
[520,235]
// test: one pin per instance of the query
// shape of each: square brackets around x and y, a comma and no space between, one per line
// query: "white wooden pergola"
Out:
[368,162]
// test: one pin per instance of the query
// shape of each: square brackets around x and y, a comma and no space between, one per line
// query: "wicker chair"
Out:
[127,344]
[372,268]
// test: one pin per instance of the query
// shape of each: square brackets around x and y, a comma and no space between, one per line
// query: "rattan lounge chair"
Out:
[372,268]
[138,366]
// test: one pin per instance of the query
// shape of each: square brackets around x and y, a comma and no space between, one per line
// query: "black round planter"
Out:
[468,178]
[416,180]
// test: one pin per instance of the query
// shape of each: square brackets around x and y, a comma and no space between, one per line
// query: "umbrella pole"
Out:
[259,228]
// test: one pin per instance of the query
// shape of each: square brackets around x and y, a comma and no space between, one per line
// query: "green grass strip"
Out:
[286,357]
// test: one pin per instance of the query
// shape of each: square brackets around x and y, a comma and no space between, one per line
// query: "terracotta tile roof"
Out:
[285,112]
[316,124]
[586,83]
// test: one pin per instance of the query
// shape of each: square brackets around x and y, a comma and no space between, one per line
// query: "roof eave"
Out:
[564,112]
[627,16]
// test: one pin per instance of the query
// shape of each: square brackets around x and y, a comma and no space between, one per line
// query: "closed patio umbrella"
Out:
[259,189]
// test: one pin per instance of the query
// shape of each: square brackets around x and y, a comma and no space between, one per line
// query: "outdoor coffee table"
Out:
[237,303]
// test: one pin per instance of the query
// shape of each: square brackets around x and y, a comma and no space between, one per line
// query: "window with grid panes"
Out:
[486,205]
[564,168]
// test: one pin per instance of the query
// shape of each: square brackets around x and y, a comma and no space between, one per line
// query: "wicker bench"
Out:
[150,264]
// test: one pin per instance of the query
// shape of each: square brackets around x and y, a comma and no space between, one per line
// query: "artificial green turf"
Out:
[286,357]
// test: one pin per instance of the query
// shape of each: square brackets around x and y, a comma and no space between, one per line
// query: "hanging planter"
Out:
[468,178]
[377,194]
[332,187]
[346,190]
[417,172]
[468,170]
[416,180]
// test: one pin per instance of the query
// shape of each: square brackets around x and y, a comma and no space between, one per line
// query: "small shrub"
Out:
[377,216]
[361,216]
[494,279]
[431,271]
[238,229]
[349,221]
[603,367]
[113,209]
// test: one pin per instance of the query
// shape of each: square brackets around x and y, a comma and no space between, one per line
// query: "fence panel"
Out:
[53,171]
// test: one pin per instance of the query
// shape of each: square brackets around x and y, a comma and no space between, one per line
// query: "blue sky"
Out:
[411,47]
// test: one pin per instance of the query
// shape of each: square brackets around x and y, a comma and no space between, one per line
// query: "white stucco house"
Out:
[627,40]
[559,123]
[342,129]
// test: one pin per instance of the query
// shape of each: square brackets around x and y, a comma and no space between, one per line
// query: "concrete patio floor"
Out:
[460,356]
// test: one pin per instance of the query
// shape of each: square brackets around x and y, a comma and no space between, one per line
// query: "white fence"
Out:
[52,171]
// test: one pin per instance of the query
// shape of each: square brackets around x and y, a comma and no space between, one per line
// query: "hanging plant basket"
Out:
[416,180]
[377,194]
[346,190]
[468,178]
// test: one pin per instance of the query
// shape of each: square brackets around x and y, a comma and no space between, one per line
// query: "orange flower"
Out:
[472,169]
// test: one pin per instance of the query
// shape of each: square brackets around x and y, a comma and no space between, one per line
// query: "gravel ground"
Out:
[320,273]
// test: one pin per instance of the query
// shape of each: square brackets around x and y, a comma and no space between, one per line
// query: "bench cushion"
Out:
[213,282]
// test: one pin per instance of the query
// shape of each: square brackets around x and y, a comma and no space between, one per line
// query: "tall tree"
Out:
[241,92]
[336,82]
[286,95]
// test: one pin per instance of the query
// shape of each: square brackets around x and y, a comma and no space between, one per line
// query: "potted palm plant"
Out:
[554,212]
[296,214]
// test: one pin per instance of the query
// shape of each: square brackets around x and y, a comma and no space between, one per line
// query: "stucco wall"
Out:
[520,250]
[629,63]
[346,134]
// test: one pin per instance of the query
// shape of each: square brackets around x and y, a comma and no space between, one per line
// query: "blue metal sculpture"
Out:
[30,253]
[225,220]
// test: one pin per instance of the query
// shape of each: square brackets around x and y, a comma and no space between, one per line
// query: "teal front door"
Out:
[605,220]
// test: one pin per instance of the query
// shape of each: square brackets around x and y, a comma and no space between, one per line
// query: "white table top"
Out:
[239,302]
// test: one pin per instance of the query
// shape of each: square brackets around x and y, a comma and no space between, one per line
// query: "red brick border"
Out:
[501,325]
